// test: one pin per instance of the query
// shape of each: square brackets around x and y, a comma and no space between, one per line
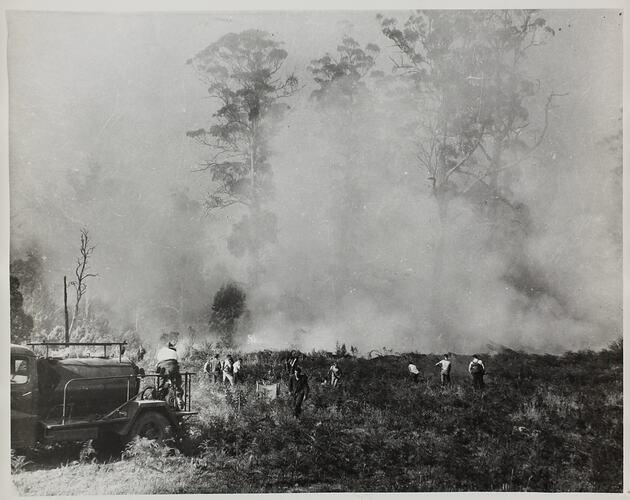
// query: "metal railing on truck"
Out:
[187,376]
[187,390]
[105,345]
[121,349]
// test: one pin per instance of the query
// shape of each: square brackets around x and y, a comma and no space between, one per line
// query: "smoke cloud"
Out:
[98,140]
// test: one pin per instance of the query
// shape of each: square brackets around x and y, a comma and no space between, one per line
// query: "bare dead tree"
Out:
[82,273]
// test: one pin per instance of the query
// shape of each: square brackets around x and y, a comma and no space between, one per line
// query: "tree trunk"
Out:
[438,294]
[137,318]
[65,309]
[494,201]
[254,212]
[181,304]
[346,259]
[74,316]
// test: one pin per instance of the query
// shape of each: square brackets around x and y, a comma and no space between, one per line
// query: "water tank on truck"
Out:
[84,398]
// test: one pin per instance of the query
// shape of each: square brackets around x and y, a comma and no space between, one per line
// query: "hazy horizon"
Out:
[99,109]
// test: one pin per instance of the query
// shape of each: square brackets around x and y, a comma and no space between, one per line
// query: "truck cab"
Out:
[24,397]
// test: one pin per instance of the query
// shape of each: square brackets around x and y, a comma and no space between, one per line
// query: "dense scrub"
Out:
[543,423]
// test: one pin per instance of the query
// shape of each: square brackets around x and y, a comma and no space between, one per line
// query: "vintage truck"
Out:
[81,398]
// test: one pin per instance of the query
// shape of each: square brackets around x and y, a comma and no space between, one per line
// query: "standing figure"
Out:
[477,370]
[228,370]
[445,372]
[207,368]
[217,368]
[213,369]
[291,363]
[237,367]
[335,374]
[298,386]
[140,353]
[168,367]
[413,371]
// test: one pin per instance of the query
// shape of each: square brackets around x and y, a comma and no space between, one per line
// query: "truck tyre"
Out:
[152,425]
[107,445]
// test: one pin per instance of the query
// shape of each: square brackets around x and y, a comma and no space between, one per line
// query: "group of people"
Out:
[224,371]
[298,381]
[476,369]
[228,371]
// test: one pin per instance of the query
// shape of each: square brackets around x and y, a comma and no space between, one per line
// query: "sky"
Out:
[99,109]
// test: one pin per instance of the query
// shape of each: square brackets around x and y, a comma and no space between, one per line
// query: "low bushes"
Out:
[543,423]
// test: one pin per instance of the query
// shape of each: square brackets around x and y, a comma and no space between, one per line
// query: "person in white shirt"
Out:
[445,372]
[236,368]
[477,370]
[228,370]
[168,367]
[335,374]
[167,353]
[413,371]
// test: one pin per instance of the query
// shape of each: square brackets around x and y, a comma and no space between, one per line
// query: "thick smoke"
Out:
[357,225]
[374,288]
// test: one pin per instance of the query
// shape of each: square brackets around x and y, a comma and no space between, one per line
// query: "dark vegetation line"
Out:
[543,423]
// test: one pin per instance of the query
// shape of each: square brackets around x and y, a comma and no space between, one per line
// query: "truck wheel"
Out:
[108,444]
[152,425]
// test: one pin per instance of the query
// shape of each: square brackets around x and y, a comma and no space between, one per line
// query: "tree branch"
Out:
[538,141]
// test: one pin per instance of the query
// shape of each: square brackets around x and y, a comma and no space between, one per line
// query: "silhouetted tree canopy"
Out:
[21,323]
[228,306]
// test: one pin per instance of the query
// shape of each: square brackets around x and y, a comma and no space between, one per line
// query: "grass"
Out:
[543,423]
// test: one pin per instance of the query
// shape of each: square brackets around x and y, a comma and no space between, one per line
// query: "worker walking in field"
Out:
[217,369]
[237,367]
[445,372]
[213,369]
[413,371]
[477,370]
[228,370]
[335,374]
[298,387]
[207,368]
